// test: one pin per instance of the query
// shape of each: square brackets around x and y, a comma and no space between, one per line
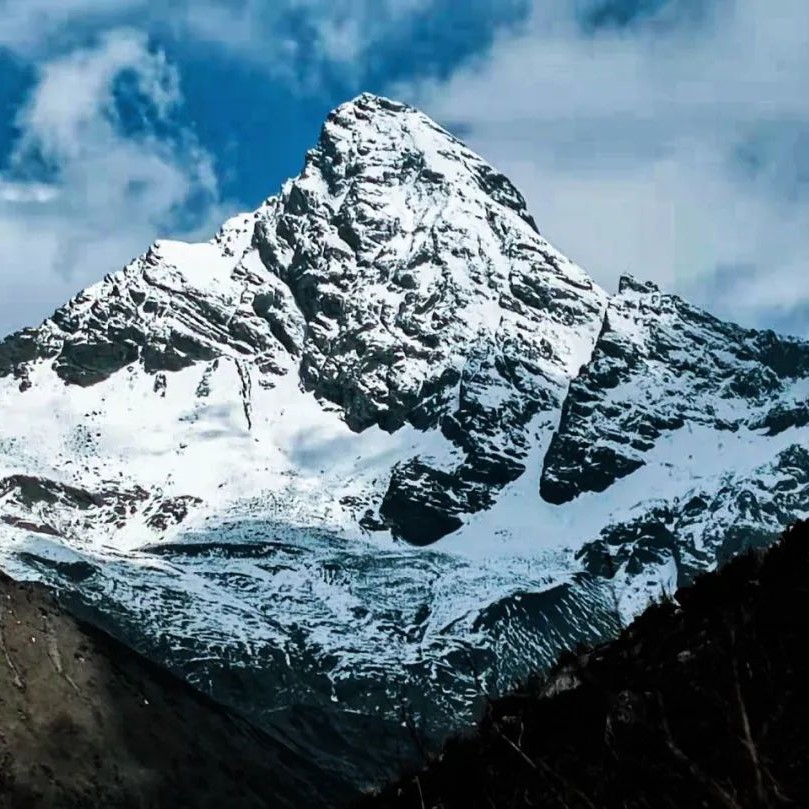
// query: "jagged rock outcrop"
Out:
[660,366]
[166,312]
[672,542]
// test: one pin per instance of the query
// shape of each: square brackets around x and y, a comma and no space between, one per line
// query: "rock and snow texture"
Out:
[237,452]
[659,366]
[718,411]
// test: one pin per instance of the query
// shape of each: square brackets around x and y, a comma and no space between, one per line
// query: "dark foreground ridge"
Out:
[86,722]
[700,703]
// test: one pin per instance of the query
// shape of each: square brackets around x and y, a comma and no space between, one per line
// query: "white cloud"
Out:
[106,195]
[26,192]
[627,144]
[301,40]
[27,25]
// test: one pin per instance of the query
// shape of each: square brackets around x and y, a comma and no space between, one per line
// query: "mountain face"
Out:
[661,365]
[377,447]
[399,278]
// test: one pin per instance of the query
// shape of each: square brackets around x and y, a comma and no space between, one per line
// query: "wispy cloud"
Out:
[81,195]
[340,31]
[31,26]
[670,143]
[301,40]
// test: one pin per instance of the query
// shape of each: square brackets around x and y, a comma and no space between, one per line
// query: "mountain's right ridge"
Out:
[658,365]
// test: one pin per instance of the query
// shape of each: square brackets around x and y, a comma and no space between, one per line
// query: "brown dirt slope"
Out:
[86,722]
[700,704]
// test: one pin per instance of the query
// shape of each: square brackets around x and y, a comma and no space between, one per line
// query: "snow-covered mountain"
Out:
[378,444]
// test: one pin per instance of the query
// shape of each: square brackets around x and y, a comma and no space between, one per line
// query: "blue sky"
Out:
[667,138]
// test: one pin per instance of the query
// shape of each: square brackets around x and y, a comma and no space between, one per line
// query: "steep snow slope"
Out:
[301,464]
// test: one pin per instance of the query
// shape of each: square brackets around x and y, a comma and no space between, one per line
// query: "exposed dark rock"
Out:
[659,364]
[30,490]
[782,417]
[26,498]
[26,346]
[172,511]
[421,503]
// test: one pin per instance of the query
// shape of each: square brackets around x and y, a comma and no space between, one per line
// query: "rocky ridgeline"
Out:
[684,537]
[659,366]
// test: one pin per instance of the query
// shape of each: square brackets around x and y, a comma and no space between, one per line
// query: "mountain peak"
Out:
[399,278]
[421,277]
[376,138]
[369,100]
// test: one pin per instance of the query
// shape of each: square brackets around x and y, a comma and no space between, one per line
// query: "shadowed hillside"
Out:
[700,703]
[85,722]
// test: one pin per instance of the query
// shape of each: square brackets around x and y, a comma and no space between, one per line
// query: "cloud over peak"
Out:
[665,142]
